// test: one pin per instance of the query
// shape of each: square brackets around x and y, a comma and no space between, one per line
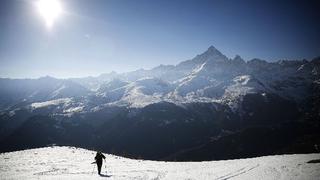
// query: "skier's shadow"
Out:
[104,175]
[314,161]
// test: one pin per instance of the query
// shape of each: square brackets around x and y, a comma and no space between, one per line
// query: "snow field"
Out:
[75,163]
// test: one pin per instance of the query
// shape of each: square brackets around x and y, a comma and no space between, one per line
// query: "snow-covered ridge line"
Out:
[75,163]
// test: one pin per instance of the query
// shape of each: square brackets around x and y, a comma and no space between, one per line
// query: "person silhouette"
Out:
[98,159]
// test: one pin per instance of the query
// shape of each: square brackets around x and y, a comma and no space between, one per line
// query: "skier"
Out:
[98,159]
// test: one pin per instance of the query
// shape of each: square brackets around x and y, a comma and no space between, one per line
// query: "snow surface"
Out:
[75,163]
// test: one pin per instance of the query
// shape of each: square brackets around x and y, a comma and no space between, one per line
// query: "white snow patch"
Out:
[50,103]
[74,109]
[193,74]
[243,80]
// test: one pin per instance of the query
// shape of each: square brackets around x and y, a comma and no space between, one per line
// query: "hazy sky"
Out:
[95,36]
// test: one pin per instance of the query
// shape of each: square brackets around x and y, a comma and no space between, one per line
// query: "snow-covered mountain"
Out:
[15,92]
[205,101]
[208,77]
[75,163]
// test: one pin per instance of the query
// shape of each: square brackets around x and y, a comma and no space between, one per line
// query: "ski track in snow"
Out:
[75,163]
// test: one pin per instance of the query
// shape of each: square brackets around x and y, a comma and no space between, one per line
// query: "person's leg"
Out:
[99,167]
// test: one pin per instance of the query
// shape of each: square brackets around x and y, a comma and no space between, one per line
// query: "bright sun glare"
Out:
[49,10]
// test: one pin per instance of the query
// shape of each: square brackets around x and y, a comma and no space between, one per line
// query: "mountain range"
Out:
[206,108]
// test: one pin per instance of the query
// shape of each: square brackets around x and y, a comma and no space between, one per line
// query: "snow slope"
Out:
[75,163]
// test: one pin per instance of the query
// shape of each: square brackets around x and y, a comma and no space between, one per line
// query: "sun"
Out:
[50,10]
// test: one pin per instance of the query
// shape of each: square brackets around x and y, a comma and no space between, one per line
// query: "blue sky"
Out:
[96,36]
